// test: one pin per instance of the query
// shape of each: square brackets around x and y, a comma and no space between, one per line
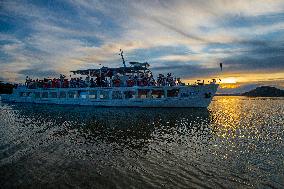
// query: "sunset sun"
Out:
[229,83]
[229,80]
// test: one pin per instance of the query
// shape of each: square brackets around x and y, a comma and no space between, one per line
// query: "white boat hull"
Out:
[197,96]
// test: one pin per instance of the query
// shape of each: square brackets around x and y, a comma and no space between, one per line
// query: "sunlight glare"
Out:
[229,80]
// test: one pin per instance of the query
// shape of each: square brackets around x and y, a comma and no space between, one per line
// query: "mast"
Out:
[121,54]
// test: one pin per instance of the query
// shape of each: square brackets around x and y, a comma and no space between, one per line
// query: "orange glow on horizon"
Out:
[229,80]
[229,85]
[235,80]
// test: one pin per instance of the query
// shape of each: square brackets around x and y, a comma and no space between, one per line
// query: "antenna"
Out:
[121,54]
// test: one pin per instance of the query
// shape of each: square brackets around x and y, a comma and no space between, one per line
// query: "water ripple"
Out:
[236,143]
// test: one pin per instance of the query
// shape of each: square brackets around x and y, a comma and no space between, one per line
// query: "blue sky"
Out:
[187,37]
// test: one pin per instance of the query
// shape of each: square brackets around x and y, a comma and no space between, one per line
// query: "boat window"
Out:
[83,94]
[44,95]
[53,95]
[143,93]
[93,94]
[129,94]
[158,94]
[37,94]
[184,95]
[23,94]
[62,94]
[104,94]
[116,95]
[188,94]
[72,94]
[173,93]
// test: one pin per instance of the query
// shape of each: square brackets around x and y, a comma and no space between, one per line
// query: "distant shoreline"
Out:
[250,96]
[263,91]
[228,95]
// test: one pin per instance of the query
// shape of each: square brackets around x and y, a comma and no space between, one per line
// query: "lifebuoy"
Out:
[116,82]
[130,83]
[140,83]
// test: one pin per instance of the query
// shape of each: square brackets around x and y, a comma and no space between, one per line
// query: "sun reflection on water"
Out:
[226,117]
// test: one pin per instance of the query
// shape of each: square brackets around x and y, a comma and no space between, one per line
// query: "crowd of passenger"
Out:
[117,80]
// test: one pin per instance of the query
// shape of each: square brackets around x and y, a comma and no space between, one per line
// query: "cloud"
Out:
[267,56]
[38,73]
[186,36]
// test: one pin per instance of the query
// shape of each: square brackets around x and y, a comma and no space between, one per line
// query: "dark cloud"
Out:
[36,73]
[268,56]
[173,27]
[255,56]
[242,21]
[180,69]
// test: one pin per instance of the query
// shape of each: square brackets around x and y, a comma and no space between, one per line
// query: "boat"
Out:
[126,86]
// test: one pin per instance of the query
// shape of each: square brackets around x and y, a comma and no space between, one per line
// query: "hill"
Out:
[265,91]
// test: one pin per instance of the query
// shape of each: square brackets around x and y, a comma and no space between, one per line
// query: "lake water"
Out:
[237,142]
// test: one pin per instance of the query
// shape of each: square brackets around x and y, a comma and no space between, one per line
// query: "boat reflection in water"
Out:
[133,127]
[100,147]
